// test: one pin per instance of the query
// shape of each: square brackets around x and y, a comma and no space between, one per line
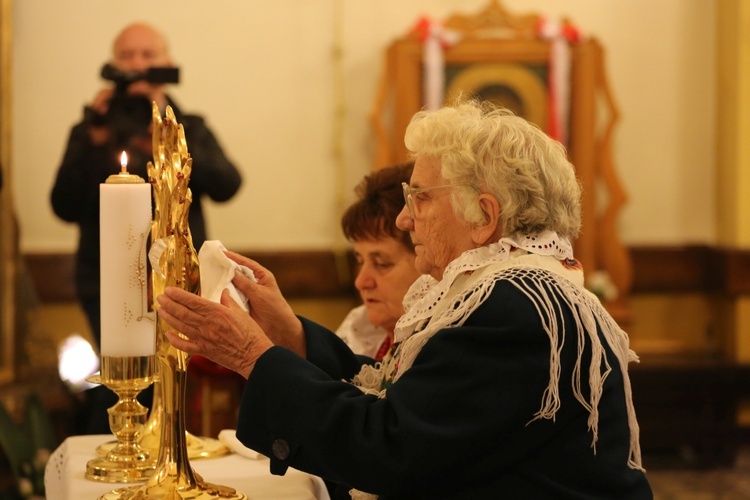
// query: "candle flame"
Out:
[124,160]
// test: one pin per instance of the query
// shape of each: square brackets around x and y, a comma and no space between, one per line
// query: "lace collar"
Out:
[426,292]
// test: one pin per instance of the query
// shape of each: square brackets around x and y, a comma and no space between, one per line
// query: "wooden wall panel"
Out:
[321,273]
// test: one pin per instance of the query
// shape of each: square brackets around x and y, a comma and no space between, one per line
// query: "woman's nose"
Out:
[404,221]
[364,279]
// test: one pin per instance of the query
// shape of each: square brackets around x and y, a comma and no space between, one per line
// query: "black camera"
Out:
[129,115]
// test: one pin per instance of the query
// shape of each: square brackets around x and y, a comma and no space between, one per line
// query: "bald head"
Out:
[139,47]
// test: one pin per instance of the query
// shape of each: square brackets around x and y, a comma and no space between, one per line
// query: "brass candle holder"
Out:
[150,437]
[127,461]
[174,263]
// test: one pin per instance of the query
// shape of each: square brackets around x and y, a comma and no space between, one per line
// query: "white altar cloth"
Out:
[64,475]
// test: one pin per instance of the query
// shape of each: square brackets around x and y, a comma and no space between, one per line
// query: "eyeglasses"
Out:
[410,192]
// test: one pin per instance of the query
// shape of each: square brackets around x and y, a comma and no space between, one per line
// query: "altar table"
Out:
[64,475]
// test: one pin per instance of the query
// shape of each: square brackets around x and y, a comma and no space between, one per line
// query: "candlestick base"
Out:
[117,471]
[126,461]
[176,490]
[197,447]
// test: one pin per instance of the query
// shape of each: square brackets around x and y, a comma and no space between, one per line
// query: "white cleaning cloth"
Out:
[217,273]
[229,438]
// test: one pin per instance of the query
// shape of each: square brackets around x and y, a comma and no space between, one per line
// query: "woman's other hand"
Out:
[268,307]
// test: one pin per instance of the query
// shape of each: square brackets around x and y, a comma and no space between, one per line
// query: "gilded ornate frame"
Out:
[8,232]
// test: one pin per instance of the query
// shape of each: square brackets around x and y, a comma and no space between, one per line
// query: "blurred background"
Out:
[291,87]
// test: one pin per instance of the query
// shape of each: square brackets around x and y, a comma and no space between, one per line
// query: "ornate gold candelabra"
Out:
[177,266]
[127,461]
[150,437]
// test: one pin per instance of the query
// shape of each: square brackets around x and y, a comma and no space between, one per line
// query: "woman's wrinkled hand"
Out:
[268,307]
[223,333]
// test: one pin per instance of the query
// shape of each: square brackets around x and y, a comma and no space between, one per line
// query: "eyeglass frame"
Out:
[409,192]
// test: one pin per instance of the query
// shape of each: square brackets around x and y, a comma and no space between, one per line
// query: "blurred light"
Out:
[77,361]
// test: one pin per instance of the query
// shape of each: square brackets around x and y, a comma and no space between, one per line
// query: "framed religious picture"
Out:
[544,71]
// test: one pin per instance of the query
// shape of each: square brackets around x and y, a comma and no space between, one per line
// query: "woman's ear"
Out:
[491,229]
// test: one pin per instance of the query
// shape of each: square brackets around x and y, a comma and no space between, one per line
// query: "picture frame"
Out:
[8,227]
[499,56]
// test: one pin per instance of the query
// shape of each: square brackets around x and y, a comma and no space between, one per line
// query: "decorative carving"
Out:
[494,21]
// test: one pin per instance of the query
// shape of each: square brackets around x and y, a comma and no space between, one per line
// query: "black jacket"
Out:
[75,194]
[457,424]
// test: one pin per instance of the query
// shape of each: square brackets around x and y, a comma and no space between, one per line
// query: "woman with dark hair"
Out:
[385,256]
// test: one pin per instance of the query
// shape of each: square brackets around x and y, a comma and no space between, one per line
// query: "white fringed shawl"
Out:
[535,265]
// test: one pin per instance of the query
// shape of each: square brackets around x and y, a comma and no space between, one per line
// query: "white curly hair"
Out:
[489,147]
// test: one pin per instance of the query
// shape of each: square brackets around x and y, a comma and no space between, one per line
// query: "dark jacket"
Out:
[75,195]
[455,425]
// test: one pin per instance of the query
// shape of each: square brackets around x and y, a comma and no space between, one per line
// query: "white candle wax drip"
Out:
[127,326]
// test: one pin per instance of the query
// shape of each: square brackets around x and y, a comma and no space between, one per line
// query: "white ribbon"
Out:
[434,64]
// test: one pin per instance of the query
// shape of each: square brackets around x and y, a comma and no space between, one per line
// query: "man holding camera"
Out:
[119,119]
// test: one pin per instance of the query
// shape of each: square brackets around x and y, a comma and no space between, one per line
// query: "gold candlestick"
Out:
[126,462]
[176,265]
[150,436]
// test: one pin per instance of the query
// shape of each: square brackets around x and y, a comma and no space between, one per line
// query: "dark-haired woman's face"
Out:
[386,271]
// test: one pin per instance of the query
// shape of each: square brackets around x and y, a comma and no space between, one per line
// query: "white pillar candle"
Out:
[128,327]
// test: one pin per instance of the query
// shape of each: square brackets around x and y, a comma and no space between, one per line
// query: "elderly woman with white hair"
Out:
[507,379]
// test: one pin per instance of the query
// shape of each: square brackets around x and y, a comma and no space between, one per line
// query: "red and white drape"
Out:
[560,34]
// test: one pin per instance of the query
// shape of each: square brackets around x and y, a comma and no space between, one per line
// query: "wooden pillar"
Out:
[733,156]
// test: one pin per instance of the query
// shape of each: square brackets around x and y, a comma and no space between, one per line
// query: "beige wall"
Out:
[262,73]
